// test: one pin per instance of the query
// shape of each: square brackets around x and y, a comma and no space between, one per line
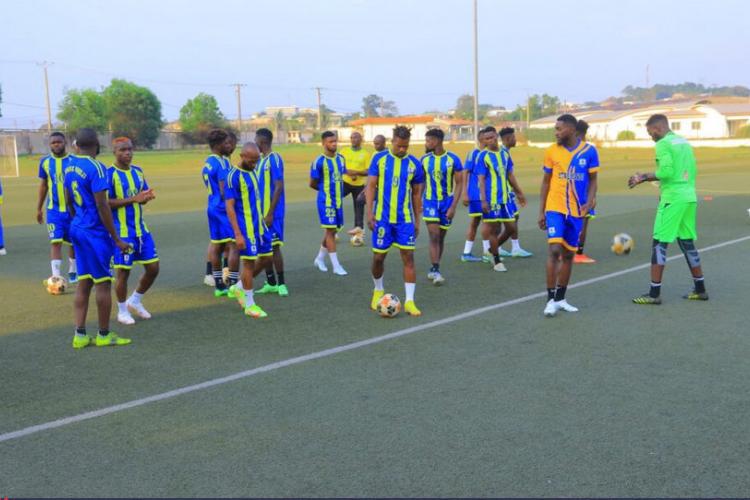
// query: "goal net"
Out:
[8,156]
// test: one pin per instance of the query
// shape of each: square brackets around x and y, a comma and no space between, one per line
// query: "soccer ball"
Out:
[389,305]
[357,240]
[56,285]
[622,244]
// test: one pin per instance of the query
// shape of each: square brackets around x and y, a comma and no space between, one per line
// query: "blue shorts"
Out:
[330,217]
[58,226]
[562,229]
[386,235]
[95,251]
[512,206]
[435,211]
[499,213]
[144,252]
[277,231]
[260,246]
[219,229]
[475,208]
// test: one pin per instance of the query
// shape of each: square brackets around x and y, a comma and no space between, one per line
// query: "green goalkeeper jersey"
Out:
[675,169]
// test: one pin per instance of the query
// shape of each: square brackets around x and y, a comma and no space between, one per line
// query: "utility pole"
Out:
[320,110]
[648,68]
[476,75]
[528,111]
[45,65]
[238,92]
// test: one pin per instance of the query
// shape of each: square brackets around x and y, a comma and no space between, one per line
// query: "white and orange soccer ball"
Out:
[389,306]
[622,244]
[357,240]
[56,285]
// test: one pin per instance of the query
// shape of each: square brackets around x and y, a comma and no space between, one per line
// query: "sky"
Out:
[417,53]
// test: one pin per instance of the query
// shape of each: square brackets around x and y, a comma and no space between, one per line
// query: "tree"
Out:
[371,105]
[665,91]
[199,115]
[83,108]
[465,107]
[133,111]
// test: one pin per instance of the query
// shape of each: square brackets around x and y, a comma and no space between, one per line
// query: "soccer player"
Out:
[494,171]
[52,189]
[357,160]
[326,178]
[94,238]
[245,214]
[443,178]
[128,191]
[394,198]
[581,258]
[3,251]
[215,170]
[508,139]
[568,193]
[676,213]
[378,142]
[271,182]
[471,200]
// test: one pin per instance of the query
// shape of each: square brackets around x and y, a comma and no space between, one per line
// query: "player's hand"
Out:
[465,202]
[124,246]
[521,199]
[485,207]
[240,242]
[268,219]
[39,217]
[353,176]
[635,180]
[585,209]
[361,196]
[542,221]
[416,229]
[450,213]
[371,222]
[141,198]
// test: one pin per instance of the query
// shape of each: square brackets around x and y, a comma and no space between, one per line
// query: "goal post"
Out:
[8,156]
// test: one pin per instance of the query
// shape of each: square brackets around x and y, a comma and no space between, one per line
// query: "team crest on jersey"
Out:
[582,162]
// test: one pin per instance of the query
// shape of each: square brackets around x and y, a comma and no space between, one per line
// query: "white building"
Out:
[709,118]
[455,130]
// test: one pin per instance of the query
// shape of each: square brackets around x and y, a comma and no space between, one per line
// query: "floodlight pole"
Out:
[476,75]
[45,65]
[238,92]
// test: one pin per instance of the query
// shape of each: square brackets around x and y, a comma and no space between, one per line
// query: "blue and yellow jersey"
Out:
[215,170]
[243,187]
[270,170]
[85,176]
[569,183]
[439,172]
[329,174]
[52,170]
[396,176]
[126,184]
[495,166]
[472,187]
[1,193]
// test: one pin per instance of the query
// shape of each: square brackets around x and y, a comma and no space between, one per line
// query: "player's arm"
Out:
[482,195]
[458,188]
[69,202]
[591,194]
[315,176]
[141,198]
[417,190]
[370,190]
[239,240]
[278,189]
[105,214]
[664,169]
[543,192]
[517,188]
[42,195]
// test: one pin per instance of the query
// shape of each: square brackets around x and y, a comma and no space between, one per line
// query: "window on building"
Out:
[675,125]
[695,125]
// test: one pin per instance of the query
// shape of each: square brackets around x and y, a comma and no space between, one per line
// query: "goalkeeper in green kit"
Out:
[675,216]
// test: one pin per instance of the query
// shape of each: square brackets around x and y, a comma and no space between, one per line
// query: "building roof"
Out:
[392,120]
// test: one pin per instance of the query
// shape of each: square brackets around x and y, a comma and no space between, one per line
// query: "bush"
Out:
[626,135]
[540,134]
[743,132]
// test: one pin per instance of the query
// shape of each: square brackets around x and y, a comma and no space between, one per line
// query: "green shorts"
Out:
[675,221]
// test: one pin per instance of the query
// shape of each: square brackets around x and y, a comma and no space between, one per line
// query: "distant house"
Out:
[709,118]
[455,130]
[496,112]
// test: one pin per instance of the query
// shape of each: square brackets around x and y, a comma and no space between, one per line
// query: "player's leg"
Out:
[359,208]
[666,229]
[382,240]
[686,237]
[555,228]
[433,233]
[491,228]
[581,257]
[331,233]
[208,279]
[438,278]
[410,282]
[233,262]
[278,264]
[72,267]
[134,303]
[80,311]
[571,232]
[2,235]
[55,258]
[251,267]
[220,288]
[121,293]
[471,233]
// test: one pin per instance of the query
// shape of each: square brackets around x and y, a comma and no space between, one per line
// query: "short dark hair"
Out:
[582,127]
[436,133]
[57,134]
[507,131]
[216,137]
[328,133]
[265,134]
[568,119]
[401,132]
[654,119]
[232,135]
[86,138]
[489,128]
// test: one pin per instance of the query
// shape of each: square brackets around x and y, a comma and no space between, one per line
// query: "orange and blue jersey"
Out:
[472,188]
[52,170]
[570,171]
[495,166]
[329,174]
[125,184]
[396,176]
[215,170]
[439,172]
